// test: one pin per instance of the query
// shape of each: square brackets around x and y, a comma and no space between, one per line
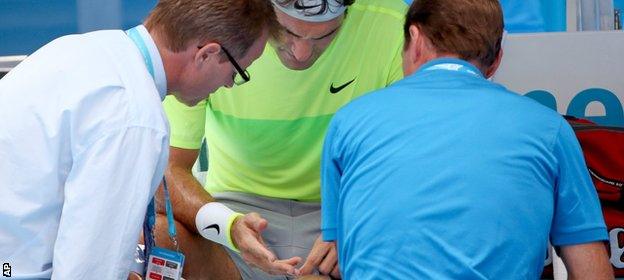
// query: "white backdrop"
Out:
[578,73]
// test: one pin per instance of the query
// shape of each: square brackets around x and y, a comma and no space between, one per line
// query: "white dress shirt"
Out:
[83,146]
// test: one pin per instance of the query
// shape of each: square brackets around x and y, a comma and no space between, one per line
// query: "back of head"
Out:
[470,29]
[235,24]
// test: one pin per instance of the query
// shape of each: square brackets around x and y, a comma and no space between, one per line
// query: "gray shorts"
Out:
[293,227]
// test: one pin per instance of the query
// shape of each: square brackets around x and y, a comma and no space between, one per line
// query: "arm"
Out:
[187,130]
[187,194]
[587,261]
[331,174]
[324,255]
[106,194]
[578,227]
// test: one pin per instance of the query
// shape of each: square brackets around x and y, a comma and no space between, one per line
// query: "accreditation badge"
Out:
[164,264]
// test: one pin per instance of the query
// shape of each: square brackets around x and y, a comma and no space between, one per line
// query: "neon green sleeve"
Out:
[396,68]
[186,123]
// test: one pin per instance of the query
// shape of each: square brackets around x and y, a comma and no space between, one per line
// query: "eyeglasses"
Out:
[241,76]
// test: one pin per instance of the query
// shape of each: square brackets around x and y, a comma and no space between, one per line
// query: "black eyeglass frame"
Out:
[240,71]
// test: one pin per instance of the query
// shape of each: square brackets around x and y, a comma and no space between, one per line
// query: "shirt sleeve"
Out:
[105,199]
[330,184]
[396,66]
[186,123]
[578,216]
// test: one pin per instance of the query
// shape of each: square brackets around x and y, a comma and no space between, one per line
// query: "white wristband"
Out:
[214,222]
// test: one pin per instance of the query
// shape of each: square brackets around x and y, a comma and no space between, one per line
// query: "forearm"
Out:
[187,195]
[587,261]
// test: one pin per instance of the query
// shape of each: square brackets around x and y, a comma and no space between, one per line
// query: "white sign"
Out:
[578,73]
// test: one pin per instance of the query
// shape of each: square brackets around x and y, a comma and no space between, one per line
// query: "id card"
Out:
[164,265]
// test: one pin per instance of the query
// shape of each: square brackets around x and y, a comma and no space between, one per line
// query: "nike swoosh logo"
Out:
[333,89]
[214,226]
[298,6]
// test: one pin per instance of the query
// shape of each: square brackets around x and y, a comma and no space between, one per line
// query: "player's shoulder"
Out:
[392,8]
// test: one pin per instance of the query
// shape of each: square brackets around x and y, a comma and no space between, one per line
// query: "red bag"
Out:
[603,148]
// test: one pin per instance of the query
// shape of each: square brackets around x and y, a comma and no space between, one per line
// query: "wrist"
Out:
[214,222]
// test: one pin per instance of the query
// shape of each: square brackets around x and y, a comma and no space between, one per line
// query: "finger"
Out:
[283,267]
[259,251]
[309,264]
[259,262]
[280,268]
[292,261]
[316,255]
[256,222]
[328,263]
[253,248]
[326,268]
[336,272]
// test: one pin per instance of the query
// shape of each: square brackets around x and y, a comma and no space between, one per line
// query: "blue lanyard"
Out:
[452,67]
[150,215]
[138,41]
[169,210]
[150,222]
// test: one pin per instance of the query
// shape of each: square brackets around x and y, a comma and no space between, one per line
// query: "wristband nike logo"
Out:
[333,89]
[214,226]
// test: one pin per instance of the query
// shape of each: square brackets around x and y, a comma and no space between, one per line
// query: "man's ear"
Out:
[415,45]
[492,69]
[208,51]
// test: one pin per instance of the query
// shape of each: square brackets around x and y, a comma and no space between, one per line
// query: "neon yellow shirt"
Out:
[265,137]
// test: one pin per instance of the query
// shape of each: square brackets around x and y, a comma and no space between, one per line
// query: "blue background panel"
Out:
[26,25]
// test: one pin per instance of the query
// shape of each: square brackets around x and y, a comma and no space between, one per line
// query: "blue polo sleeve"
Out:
[578,216]
[330,184]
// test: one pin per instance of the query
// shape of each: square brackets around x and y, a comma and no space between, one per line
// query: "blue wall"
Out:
[522,16]
[26,25]
[619,4]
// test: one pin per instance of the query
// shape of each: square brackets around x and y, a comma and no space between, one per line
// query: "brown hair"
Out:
[235,24]
[471,29]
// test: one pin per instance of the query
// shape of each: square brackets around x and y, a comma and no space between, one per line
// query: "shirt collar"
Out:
[447,60]
[159,70]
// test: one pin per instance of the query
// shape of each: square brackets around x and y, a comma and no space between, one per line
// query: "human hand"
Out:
[324,257]
[247,237]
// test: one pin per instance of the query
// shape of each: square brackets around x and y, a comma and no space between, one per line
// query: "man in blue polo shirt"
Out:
[445,175]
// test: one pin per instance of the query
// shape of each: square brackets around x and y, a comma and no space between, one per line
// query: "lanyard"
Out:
[452,67]
[150,221]
[138,41]
[169,210]
[150,215]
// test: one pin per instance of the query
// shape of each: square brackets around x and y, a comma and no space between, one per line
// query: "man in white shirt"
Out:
[84,139]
